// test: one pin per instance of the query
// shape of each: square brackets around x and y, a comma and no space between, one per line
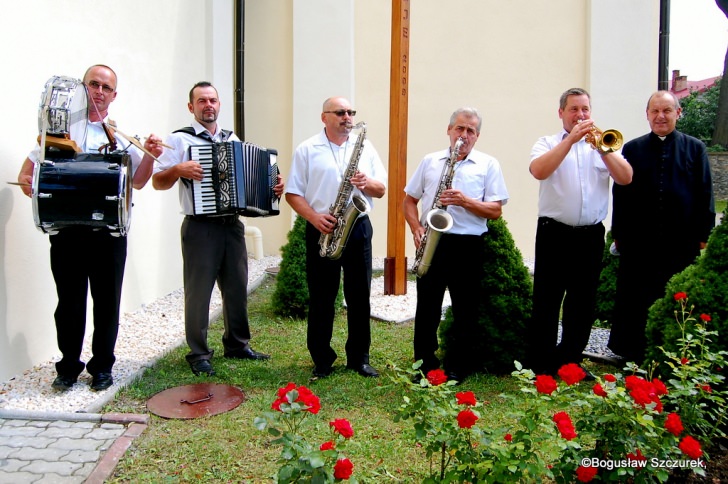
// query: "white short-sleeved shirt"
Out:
[577,193]
[180,152]
[96,138]
[478,176]
[318,168]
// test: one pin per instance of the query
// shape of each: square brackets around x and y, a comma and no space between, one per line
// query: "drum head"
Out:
[64,108]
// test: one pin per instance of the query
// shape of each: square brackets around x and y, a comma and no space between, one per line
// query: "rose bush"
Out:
[613,430]
[299,460]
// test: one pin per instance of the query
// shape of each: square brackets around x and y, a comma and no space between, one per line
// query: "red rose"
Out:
[632,382]
[679,296]
[311,401]
[690,447]
[705,387]
[660,388]
[705,317]
[436,377]
[644,392]
[545,384]
[684,361]
[598,390]
[342,427]
[565,426]
[673,424]
[327,445]
[467,419]
[282,391]
[610,378]
[637,456]
[343,469]
[586,474]
[508,437]
[572,373]
[466,398]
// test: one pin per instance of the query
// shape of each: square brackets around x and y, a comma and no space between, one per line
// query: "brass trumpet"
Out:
[604,141]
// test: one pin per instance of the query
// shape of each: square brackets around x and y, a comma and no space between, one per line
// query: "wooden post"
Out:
[395,265]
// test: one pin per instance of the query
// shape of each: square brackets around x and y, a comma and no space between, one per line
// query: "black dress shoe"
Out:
[63,382]
[247,354]
[589,376]
[202,367]
[454,376]
[322,371]
[365,369]
[101,381]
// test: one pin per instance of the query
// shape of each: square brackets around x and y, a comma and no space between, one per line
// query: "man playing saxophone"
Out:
[473,192]
[336,164]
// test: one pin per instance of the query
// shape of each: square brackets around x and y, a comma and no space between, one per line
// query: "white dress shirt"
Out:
[478,176]
[577,193]
[318,168]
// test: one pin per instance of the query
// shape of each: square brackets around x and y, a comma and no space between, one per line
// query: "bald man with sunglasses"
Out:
[318,167]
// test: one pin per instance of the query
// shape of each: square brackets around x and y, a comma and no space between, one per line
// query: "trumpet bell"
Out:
[611,140]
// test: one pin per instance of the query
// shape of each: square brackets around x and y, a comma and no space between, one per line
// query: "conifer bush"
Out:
[290,298]
[504,308]
[706,283]
[607,290]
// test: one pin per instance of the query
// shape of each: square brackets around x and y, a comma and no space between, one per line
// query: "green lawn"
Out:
[720,206]
[228,448]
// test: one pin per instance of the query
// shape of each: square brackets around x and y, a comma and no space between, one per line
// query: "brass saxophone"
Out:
[346,211]
[438,221]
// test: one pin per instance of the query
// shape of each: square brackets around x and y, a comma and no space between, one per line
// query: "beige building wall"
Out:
[510,59]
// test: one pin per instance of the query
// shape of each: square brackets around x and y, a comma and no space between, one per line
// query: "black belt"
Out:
[551,221]
[214,219]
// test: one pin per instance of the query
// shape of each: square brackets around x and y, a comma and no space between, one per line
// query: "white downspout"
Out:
[257,236]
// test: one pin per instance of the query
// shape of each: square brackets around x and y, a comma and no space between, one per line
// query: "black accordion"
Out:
[238,178]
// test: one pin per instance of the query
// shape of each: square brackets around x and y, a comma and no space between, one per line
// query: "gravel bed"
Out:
[157,328]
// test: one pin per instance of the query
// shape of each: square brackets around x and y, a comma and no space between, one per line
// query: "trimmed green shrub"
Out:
[504,308]
[290,298]
[706,285]
[607,290]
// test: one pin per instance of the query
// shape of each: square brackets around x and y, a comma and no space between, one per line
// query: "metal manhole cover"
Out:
[193,401]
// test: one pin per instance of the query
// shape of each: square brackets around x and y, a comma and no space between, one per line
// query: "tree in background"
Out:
[699,114]
[720,134]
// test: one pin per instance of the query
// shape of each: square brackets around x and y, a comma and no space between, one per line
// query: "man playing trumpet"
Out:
[573,201]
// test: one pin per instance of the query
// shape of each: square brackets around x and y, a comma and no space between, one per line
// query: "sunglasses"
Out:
[341,112]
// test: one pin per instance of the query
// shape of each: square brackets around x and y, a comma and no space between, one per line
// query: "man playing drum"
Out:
[83,255]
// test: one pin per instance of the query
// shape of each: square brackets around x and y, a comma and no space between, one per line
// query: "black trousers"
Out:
[213,249]
[568,264]
[457,265]
[645,267]
[324,277]
[83,258]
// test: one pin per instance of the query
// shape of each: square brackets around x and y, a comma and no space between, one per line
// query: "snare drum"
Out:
[87,190]
[64,106]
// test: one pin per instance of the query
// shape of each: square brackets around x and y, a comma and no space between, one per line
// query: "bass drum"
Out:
[89,189]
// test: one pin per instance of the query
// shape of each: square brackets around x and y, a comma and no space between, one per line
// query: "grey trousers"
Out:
[213,250]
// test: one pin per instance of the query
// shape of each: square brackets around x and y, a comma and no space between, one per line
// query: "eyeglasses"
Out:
[341,112]
[104,87]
